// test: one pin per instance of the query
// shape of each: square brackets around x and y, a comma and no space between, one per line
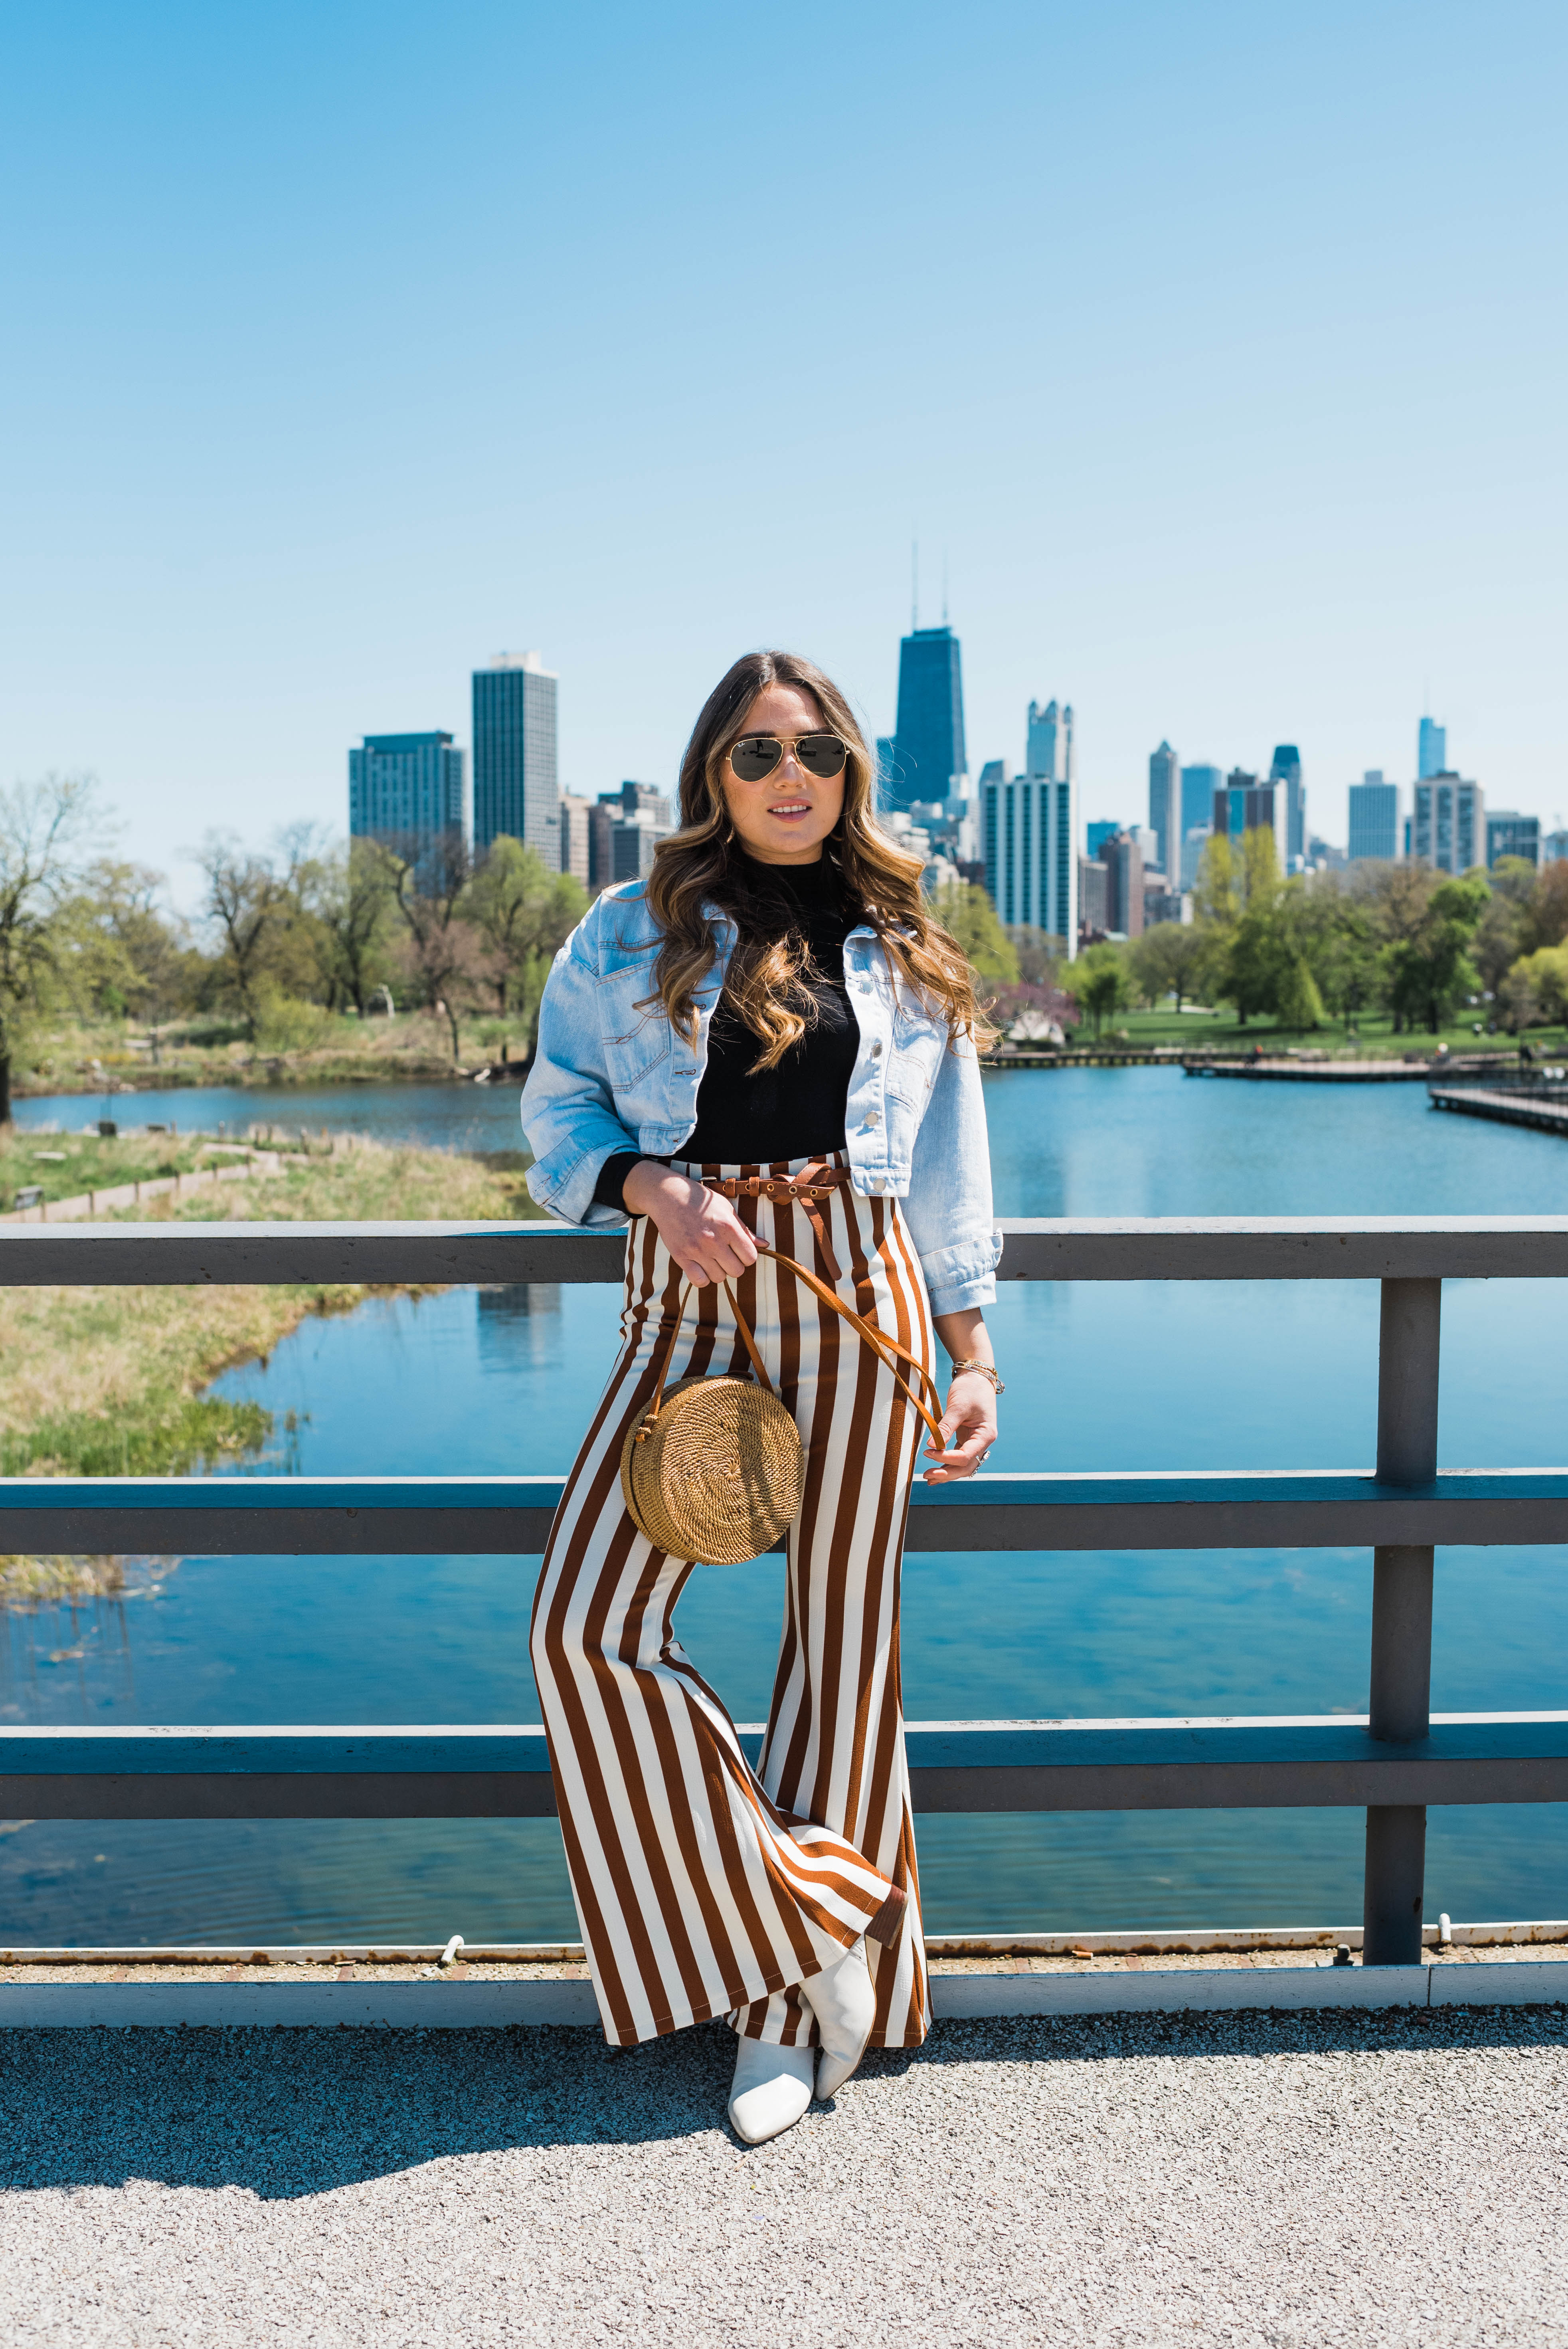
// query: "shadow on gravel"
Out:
[283,2113]
[286,2113]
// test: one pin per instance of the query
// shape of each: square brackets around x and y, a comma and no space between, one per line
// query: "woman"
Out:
[769,1041]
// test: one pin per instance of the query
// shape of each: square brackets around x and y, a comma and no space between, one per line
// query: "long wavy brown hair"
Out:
[767,983]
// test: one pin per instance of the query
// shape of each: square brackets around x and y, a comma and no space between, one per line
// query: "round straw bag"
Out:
[714,1470]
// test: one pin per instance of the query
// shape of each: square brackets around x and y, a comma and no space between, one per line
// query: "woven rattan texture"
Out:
[717,1475]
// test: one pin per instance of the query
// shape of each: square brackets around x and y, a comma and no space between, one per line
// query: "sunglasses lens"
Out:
[822,755]
[755,756]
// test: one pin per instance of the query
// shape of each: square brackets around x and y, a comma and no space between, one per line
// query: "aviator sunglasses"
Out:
[757,755]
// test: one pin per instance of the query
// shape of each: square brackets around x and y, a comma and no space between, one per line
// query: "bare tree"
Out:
[44,827]
[246,902]
[430,882]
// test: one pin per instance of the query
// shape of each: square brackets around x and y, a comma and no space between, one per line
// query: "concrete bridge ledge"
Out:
[493,2005]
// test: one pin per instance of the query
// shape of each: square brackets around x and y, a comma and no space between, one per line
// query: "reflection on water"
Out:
[1114,1375]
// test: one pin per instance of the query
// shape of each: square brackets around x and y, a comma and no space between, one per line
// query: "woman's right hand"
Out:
[699,1227]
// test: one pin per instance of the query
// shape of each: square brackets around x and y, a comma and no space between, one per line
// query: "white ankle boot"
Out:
[772,2089]
[844,2002]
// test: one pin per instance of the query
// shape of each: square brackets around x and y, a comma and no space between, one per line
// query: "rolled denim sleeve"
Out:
[568,1102]
[948,1203]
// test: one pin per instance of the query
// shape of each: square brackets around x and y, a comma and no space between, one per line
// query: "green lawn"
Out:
[1221,1031]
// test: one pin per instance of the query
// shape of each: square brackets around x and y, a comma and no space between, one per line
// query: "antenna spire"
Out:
[914,585]
[945,586]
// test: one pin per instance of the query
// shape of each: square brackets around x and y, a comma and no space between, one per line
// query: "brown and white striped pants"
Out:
[705,1887]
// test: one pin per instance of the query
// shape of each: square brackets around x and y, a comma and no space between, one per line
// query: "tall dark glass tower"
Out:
[928,745]
[516,788]
[1286,769]
[1165,809]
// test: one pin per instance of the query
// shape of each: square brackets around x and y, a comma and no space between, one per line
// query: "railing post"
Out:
[1401,1679]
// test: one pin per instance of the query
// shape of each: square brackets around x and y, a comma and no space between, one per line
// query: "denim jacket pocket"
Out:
[632,1057]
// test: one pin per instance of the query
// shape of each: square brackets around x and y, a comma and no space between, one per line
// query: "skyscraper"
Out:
[1123,860]
[1243,804]
[1029,829]
[1509,833]
[624,829]
[1049,746]
[406,789]
[1431,749]
[1165,806]
[928,754]
[1374,818]
[1449,823]
[1286,768]
[1199,785]
[576,837]
[516,790]
[1194,840]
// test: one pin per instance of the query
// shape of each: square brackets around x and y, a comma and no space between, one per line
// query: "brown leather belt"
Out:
[811,1185]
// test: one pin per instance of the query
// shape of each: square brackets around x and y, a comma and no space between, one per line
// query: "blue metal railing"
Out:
[1394,1761]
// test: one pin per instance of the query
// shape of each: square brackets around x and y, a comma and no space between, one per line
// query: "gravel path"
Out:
[1309,2178]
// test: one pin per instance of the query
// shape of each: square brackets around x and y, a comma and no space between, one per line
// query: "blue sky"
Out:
[1221,348]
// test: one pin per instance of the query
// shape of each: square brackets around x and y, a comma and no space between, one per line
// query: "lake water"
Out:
[444,1117]
[1134,1376]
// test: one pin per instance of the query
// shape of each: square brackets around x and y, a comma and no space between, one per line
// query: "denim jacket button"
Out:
[876,1048]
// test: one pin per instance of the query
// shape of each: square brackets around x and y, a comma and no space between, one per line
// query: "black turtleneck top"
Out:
[796,1110]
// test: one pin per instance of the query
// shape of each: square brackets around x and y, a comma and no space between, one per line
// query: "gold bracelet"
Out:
[986,1370]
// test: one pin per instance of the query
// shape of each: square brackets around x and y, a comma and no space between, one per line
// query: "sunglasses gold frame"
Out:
[791,742]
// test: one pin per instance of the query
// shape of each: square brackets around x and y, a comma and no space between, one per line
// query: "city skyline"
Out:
[519,791]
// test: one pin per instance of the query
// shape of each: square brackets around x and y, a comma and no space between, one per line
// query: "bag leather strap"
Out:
[875,1338]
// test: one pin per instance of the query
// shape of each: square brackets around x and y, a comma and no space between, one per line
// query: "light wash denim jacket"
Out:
[609,1076]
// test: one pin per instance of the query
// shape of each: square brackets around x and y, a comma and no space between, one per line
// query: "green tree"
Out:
[1333,928]
[1169,959]
[122,952]
[1100,983]
[1219,890]
[1535,991]
[1248,975]
[1499,941]
[1425,976]
[525,913]
[1298,1004]
[1545,918]
[1249,978]
[347,895]
[1393,900]
[970,919]
[45,828]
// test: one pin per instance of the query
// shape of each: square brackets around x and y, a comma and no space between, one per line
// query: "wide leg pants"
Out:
[705,1887]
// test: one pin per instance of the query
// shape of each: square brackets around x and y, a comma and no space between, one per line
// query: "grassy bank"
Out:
[111,1381]
[300,1045]
[65,1165]
[1375,1040]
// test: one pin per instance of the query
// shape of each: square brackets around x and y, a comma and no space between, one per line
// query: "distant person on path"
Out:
[769,1039]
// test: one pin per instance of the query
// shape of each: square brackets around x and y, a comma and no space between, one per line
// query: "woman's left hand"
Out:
[971,1415]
